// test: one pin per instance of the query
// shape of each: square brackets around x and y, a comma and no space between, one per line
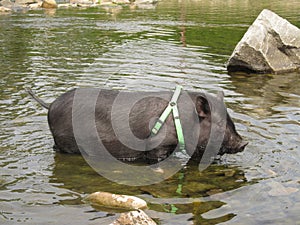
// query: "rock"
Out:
[6,4]
[134,217]
[25,2]
[144,4]
[145,1]
[4,9]
[105,2]
[35,6]
[85,2]
[67,5]
[49,4]
[271,45]
[116,201]
[121,2]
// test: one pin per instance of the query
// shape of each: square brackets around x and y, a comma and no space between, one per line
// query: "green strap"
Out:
[161,120]
[172,107]
[178,127]
[176,94]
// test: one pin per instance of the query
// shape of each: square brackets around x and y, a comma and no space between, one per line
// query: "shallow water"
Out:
[184,42]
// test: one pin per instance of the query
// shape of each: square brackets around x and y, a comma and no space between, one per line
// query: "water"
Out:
[184,42]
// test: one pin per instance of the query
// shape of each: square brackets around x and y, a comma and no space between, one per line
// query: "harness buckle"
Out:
[172,104]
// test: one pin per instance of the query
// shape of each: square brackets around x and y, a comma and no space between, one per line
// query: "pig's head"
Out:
[213,116]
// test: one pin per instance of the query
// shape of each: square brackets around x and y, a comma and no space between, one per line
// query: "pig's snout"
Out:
[233,149]
[242,146]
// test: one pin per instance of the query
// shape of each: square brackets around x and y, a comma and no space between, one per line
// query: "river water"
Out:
[153,48]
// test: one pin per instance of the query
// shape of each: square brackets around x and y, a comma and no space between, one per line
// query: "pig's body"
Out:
[195,119]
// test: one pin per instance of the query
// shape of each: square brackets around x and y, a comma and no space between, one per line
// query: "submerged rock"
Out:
[116,201]
[134,217]
[49,4]
[271,45]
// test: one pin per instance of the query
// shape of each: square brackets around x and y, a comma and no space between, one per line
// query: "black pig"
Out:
[195,112]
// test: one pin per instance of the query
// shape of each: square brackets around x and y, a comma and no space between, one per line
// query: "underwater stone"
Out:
[271,45]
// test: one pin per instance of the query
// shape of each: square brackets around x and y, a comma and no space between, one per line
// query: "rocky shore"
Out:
[8,6]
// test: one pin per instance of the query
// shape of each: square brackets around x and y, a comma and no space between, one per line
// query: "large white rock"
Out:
[271,45]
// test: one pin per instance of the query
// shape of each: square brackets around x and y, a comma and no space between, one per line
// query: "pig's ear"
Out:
[202,107]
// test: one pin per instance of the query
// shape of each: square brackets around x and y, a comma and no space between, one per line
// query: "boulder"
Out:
[134,217]
[271,45]
[49,4]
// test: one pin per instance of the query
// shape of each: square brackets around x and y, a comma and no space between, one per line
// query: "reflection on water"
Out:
[178,42]
[184,193]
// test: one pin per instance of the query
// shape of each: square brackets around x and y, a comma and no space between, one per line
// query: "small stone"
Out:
[7,4]
[83,2]
[4,9]
[145,1]
[25,2]
[215,191]
[229,173]
[121,1]
[49,4]
[134,217]
[35,6]
[116,201]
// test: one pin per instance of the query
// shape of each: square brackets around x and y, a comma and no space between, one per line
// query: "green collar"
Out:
[172,107]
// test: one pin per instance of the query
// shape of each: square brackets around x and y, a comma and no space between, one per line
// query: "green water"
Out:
[176,42]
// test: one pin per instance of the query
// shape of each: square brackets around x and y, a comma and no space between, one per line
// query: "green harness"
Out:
[172,107]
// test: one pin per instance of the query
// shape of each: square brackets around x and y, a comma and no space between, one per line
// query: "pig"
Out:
[195,113]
